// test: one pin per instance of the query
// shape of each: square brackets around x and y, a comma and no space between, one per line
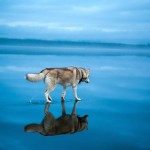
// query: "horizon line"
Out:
[76,41]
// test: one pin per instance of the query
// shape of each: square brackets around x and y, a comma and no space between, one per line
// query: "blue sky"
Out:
[97,20]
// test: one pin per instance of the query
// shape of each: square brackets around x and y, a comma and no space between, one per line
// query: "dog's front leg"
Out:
[75,92]
[50,85]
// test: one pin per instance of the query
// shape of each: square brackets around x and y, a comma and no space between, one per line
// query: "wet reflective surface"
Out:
[117,101]
[65,124]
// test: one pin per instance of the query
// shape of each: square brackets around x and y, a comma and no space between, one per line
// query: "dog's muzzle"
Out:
[87,81]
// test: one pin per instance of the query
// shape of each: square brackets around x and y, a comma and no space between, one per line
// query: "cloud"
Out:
[27,24]
[56,26]
[111,30]
[73,28]
[99,20]
[86,9]
[48,25]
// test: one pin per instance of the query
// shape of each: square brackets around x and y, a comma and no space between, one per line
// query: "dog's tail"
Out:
[35,77]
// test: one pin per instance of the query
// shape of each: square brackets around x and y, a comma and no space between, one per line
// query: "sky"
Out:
[84,20]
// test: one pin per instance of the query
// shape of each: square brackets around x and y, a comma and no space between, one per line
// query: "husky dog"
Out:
[69,76]
[65,124]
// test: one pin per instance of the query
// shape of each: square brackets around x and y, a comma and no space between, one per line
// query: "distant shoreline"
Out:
[39,42]
[71,48]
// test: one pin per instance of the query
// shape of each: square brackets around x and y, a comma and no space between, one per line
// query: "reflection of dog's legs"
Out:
[73,115]
[63,108]
[46,108]
[63,93]
[50,84]
[74,108]
[48,122]
[45,125]
[75,92]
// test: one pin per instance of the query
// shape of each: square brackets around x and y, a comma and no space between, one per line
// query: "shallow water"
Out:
[117,102]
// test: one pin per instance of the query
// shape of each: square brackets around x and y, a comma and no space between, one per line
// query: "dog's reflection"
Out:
[65,124]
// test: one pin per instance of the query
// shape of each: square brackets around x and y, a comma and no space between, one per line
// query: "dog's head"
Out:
[83,123]
[85,75]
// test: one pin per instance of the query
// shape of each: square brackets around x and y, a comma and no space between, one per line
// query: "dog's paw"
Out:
[62,98]
[78,99]
[48,101]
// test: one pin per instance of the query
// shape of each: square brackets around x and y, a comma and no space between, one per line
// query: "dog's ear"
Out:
[85,117]
[88,71]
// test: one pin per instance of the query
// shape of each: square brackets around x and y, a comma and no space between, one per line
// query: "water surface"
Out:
[117,102]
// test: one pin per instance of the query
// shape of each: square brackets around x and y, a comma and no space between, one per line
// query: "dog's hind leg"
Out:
[48,98]
[63,93]
[50,84]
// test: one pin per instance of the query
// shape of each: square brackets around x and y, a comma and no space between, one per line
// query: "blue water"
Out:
[117,101]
